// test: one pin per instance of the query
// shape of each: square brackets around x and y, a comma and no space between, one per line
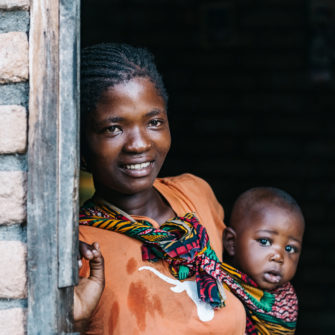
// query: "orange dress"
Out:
[142,297]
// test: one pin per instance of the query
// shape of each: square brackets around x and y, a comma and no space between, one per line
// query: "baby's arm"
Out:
[89,290]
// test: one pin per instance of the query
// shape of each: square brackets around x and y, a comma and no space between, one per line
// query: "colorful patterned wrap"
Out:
[184,244]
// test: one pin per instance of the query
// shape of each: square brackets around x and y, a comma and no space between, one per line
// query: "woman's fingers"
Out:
[88,292]
[97,270]
[92,253]
[85,250]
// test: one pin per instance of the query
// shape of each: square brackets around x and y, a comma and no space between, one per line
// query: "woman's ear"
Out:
[229,237]
[83,164]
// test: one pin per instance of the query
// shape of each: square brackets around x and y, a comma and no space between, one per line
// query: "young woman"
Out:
[125,139]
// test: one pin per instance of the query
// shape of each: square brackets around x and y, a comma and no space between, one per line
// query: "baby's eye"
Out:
[291,249]
[155,123]
[264,241]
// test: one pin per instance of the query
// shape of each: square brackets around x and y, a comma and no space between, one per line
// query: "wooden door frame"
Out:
[53,165]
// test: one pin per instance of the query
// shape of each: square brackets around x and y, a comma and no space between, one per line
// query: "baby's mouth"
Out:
[272,277]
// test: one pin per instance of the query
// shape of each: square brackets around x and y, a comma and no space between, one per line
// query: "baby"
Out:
[264,242]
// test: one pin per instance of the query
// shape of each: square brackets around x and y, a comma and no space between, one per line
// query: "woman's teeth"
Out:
[137,166]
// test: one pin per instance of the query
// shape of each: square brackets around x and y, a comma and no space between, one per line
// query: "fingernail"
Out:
[95,252]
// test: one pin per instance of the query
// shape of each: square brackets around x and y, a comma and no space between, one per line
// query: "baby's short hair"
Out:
[257,198]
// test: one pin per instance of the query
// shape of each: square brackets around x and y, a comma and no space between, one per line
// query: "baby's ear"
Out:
[229,237]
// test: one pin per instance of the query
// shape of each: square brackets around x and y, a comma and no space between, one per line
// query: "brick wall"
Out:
[14,25]
[245,110]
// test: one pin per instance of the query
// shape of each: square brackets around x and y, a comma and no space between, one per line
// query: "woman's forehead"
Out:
[136,90]
[134,99]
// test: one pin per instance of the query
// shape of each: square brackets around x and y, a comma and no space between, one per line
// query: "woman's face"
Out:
[128,138]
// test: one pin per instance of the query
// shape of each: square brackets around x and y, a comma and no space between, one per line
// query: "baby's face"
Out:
[268,246]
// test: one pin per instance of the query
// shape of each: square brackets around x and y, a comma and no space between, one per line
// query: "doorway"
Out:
[243,108]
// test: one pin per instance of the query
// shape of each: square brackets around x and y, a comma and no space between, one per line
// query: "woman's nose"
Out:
[137,142]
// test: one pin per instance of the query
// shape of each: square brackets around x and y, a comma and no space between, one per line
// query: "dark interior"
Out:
[251,103]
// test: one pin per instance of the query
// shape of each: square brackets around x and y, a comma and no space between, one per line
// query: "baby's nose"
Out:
[277,256]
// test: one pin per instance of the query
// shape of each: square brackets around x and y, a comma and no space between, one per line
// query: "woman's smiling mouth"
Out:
[138,170]
[137,166]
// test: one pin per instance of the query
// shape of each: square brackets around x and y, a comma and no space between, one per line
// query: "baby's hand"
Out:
[89,290]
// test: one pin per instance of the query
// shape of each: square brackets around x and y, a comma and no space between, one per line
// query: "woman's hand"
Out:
[89,290]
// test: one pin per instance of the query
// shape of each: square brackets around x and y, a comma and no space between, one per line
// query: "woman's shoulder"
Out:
[185,180]
[193,187]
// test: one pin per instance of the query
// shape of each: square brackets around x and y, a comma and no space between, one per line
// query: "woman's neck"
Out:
[148,203]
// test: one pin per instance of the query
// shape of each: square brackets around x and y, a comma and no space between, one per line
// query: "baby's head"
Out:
[264,238]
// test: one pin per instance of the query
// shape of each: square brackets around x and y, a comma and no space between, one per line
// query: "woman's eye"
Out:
[291,249]
[155,123]
[264,242]
[112,130]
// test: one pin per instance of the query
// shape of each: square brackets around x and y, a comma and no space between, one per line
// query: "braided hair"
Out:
[108,64]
